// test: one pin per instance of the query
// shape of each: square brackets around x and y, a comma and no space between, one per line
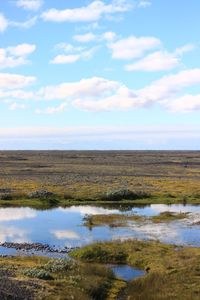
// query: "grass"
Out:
[60,279]
[85,177]
[173,272]
[119,220]
[168,216]
[113,220]
[78,177]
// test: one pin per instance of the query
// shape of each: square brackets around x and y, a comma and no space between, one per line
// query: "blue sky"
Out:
[115,74]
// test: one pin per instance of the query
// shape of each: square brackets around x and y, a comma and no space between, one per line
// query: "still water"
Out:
[126,272]
[63,227]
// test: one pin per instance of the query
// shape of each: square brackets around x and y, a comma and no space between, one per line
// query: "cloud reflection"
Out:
[65,234]
[12,214]
[13,234]
[89,210]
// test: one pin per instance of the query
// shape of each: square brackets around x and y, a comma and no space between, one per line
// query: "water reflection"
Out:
[126,272]
[13,234]
[155,209]
[89,210]
[10,214]
[63,227]
[66,234]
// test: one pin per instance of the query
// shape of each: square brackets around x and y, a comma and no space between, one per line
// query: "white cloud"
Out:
[24,25]
[17,94]
[15,81]
[15,106]
[91,87]
[120,99]
[85,38]
[185,104]
[144,4]
[133,47]
[29,4]
[72,58]
[167,88]
[65,59]
[109,36]
[21,50]
[11,57]
[3,23]
[53,109]
[157,61]
[93,12]
[160,60]
[100,94]
[186,48]
[72,53]
[88,54]
[68,47]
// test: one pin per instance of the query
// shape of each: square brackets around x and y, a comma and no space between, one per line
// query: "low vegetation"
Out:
[76,177]
[112,220]
[123,220]
[172,272]
[55,279]
[125,194]
[168,216]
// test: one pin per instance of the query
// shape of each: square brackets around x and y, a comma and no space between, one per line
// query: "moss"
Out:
[96,253]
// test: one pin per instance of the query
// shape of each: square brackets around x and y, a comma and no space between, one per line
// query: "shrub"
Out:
[41,194]
[117,195]
[56,265]
[48,198]
[37,273]
[67,196]
[6,197]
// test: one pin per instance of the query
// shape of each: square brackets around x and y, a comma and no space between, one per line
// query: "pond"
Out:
[63,227]
[126,272]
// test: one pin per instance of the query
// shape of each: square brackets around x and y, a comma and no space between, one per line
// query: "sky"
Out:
[100,74]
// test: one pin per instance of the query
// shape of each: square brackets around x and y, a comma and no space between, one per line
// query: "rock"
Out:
[35,247]
[41,194]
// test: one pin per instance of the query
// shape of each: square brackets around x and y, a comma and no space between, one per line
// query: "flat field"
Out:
[169,176]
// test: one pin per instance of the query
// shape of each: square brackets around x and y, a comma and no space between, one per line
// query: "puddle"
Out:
[126,272]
